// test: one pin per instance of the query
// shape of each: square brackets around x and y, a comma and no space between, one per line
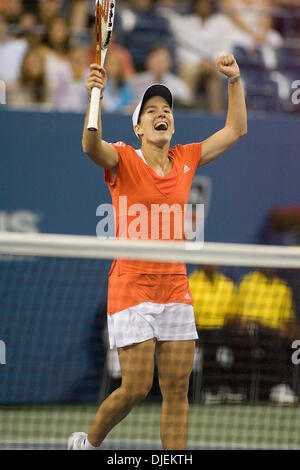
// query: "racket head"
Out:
[104,22]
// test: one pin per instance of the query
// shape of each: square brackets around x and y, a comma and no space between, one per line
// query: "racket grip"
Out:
[94,110]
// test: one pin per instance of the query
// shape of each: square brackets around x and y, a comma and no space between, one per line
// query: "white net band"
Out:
[73,246]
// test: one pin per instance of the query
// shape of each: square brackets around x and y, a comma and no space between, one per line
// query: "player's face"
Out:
[156,121]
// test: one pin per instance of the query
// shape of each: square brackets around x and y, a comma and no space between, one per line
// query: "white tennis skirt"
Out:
[165,322]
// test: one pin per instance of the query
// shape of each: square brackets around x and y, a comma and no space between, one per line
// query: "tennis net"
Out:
[56,367]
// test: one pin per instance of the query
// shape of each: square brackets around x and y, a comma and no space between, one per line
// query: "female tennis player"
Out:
[150,310]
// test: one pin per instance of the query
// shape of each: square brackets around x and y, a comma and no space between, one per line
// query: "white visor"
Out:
[153,90]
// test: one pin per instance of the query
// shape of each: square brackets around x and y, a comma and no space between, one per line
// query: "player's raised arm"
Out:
[98,150]
[236,122]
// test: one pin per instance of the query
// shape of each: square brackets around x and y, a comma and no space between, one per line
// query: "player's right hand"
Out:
[97,78]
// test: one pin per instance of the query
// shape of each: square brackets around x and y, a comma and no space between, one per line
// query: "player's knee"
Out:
[135,394]
[138,395]
[175,389]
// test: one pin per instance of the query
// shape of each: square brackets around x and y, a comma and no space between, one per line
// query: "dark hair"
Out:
[213,4]
[38,86]
[121,80]
[157,47]
[66,45]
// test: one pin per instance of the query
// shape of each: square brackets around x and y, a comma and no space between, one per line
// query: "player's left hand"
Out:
[227,65]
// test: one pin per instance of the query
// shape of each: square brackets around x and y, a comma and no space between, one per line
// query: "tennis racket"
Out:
[104,21]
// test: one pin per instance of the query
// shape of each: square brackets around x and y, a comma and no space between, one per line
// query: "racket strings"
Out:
[107,17]
[105,10]
[104,19]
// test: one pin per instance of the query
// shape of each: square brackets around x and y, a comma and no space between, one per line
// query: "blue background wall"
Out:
[44,170]
[53,324]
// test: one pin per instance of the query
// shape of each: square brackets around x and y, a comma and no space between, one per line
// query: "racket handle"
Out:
[94,109]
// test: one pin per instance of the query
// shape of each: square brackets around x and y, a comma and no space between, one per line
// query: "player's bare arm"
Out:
[236,122]
[102,153]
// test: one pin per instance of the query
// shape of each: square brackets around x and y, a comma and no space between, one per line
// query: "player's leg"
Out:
[175,362]
[137,366]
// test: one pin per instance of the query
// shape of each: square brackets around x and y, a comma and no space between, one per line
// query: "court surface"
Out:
[211,427]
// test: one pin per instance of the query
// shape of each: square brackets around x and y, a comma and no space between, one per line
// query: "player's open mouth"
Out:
[161,126]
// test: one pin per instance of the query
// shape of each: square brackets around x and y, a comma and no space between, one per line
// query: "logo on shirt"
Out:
[187,296]
[118,144]
[186,169]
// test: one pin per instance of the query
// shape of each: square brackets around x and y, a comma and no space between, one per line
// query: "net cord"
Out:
[81,246]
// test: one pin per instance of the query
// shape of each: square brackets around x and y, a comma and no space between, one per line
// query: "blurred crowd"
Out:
[46,47]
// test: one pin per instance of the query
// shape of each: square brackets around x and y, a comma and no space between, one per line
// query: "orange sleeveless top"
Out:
[148,206]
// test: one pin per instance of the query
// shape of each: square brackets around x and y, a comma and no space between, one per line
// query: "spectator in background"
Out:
[56,50]
[29,29]
[30,90]
[200,37]
[264,310]
[69,94]
[141,28]
[127,62]
[12,52]
[214,302]
[57,40]
[47,10]
[12,10]
[253,18]
[118,94]
[288,23]
[158,70]
[265,299]
[79,14]
[168,8]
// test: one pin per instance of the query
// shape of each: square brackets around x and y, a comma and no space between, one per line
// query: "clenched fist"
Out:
[97,78]
[227,65]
